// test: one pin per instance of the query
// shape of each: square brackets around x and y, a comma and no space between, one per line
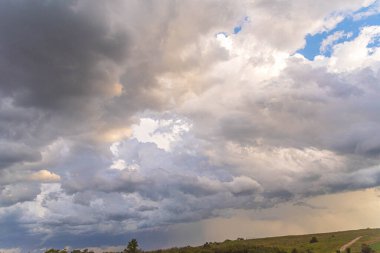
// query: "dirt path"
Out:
[347,245]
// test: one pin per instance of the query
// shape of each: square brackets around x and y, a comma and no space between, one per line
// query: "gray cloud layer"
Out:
[125,117]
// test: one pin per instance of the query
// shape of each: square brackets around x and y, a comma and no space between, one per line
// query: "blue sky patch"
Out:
[375,42]
[238,28]
[349,28]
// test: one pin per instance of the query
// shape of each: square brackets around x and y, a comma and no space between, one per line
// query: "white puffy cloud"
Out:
[356,54]
[333,38]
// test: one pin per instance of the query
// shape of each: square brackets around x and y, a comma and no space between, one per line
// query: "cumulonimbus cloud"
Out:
[127,115]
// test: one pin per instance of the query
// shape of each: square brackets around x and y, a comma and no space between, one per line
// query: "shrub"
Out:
[206,245]
[313,239]
[366,249]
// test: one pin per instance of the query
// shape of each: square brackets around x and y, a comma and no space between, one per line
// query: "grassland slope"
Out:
[326,243]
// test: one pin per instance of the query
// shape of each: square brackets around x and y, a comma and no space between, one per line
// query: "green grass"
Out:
[327,243]
[376,246]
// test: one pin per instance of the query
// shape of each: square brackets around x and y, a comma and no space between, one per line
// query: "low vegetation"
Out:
[376,247]
[315,243]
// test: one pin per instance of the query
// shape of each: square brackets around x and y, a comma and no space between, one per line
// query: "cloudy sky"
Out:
[180,122]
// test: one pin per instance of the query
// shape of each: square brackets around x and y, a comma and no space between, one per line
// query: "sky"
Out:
[181,122]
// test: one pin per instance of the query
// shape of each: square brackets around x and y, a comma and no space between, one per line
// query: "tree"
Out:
[206,245]
[132,246]
[52,251]
[313,239]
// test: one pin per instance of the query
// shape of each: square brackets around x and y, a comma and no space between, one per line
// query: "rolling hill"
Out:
[326,243]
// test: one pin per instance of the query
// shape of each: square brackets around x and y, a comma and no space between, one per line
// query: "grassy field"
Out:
[376,246]
[327,243]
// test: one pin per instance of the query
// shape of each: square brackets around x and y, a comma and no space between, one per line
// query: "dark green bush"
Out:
[313,239]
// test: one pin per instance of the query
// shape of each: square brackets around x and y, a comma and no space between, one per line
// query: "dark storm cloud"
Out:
[11,153]
[60,63]
[55,53]
[13,230]
[75,74]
